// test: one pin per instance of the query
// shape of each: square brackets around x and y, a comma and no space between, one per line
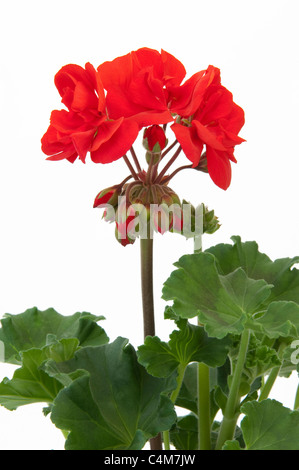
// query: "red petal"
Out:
[118,144]
[105,132]
[118,72]
[181,96]
[146,58]
[66,121]
[147,91]
[192,146]
[84,98]
[209,135]
[218,104]
[145,118]
[82,142]
[67,77]
[188,97]
[174,71]
[219,168]
[119,104]
[235,120]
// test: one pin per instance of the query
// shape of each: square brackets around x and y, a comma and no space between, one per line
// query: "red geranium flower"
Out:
[107,107]
[215,123]
[85,127]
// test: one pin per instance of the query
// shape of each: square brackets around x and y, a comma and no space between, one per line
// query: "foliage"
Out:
[105,395]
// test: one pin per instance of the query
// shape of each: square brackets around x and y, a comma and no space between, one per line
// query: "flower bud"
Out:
[154,140]
[107,196]
[210,221]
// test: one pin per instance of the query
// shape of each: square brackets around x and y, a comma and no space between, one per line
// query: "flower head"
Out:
[106,108]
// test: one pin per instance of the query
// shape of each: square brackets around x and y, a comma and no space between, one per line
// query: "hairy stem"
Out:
[146,256]
[169,148]
[129,165]
[146,247]
[230,414]
[136,161]
[168,178]
[171,161]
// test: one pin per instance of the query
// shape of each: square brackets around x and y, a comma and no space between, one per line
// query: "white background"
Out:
[55,250]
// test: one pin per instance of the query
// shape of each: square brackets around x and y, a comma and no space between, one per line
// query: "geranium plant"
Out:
[235,311]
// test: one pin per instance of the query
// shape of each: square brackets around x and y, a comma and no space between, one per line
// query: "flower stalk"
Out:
[146,257]
[129,165]
[168,165]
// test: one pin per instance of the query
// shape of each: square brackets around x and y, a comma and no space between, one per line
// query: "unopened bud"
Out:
[107,196]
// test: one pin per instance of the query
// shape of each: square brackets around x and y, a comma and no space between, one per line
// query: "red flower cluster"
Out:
[107,107]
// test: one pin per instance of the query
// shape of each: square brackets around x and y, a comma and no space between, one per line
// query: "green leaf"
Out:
[280,319]
[116,404]
[258,265]
[235,287]
[35,329]
[248,293]
[194,293]
[188,344]
[184,435]
[231,445]
[268,425]
[30,384]
[223,303]
[259,361]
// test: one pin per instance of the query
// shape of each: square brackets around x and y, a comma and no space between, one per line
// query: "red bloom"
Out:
[215,123]
[107,107]
[85,127]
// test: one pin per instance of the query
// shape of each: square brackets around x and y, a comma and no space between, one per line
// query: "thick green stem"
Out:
[146,256]
[230,414]
[204,418]
[203,388]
